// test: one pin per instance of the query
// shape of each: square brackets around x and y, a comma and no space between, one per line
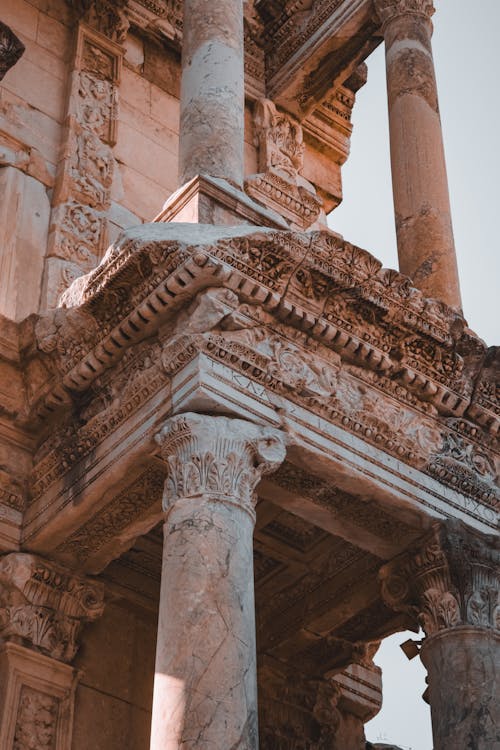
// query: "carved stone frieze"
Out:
[310,317]
[44,606]
[217,457]
[451,579]
[280,141]
[106,525]
[11,49]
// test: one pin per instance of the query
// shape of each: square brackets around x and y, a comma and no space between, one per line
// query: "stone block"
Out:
[143,196]
[39,88]
[165,109]
[136,91]
[21,16]
[54,36]
[148,157]
[24,222]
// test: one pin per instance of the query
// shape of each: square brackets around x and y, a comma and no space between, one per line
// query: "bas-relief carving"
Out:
[279,185]
[451,579]
[36,721]
[83,185]
[11,49]
[44,605]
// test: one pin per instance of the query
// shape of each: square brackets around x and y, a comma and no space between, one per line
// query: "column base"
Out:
[212,200]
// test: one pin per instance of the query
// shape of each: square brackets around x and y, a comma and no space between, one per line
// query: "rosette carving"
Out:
[451,579]
[218,457]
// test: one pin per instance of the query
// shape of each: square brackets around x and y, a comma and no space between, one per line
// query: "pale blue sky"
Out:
[466,56]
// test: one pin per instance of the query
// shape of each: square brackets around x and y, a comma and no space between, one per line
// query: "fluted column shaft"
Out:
[205,691]
[424,230]
[212,91]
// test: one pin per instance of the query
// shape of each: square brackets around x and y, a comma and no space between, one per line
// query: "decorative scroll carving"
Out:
[389,9]
[11,49]
[281,157]
[452,578]
[36,722]
[216,456]
[44,605]
[83,186]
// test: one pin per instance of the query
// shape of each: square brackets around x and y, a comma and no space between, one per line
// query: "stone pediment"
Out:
[283,327]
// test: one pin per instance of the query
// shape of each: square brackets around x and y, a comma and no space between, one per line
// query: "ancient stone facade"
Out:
[228,436]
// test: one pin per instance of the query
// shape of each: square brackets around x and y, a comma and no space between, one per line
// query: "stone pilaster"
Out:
[42,609]
[420,187]
[450,585]
[11,49]
[205,691]
[81,201]
[212,91]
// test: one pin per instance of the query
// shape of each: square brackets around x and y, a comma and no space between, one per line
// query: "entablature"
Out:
[386,397]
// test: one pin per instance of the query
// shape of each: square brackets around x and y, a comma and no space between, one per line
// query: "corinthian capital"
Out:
[452,578]
[44,606]
[389,9]
[218,457]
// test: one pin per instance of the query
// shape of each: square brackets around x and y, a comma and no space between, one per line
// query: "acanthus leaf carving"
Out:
[44,605]
[218,457]
[451,578]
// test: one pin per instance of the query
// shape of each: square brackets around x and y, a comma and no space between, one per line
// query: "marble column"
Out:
[42,609]
[212,91]
[450,584]
[424,230]
[205,689]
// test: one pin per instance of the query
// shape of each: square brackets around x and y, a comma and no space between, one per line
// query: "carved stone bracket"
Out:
[281,159]
[451,579]
[218,457]
[43,606]
[11,49]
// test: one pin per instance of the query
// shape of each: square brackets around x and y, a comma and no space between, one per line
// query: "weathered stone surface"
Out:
[426,247]
[212,91]
[463,668]
[205,692]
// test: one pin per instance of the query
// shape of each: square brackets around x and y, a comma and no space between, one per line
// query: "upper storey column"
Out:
[424,230]
[205,689]
[212,91]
